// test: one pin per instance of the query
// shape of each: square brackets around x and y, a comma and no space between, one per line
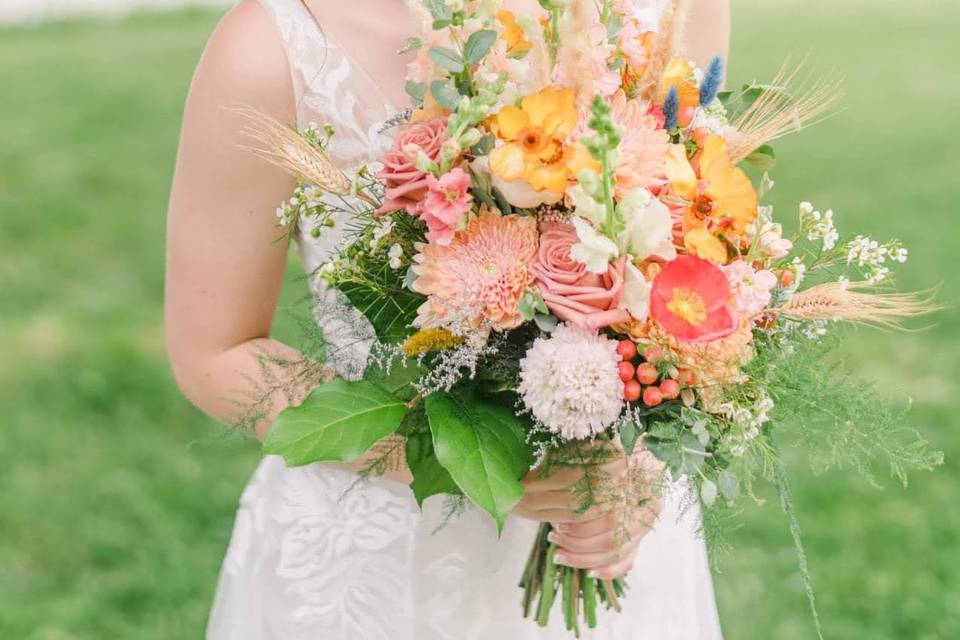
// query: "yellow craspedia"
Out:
[427,340]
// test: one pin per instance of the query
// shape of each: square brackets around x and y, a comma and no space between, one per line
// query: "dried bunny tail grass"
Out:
[284,147]
[665,47]
[856,302]
[789,103]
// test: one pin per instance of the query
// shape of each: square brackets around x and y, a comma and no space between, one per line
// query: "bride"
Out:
[309,559]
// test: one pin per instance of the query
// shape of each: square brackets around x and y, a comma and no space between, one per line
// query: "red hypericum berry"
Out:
[686,378]
[653,354]
[631,390]
[670,389]
[647,373]
[626,370]
[786,278]
[627,349]
[652,396]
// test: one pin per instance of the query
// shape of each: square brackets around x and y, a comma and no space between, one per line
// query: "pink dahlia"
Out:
[644,146]
[480,275]
[447,200]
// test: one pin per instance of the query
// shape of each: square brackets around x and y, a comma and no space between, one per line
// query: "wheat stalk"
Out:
[857,302]
[775,114]
[286,148]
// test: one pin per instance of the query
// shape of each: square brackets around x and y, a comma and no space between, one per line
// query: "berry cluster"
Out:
[645,379]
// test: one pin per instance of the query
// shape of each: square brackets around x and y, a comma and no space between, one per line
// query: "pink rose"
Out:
[405,183]
[571,292]
[446,201]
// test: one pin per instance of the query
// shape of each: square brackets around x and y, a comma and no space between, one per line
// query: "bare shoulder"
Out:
[244,63]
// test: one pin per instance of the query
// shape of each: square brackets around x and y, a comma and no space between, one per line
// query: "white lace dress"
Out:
[309,560]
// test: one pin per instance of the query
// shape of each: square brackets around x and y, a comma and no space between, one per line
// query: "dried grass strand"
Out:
[286,148]
[666,46]
[856,302]
[775,113]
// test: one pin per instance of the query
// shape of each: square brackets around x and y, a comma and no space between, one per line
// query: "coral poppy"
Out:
[690,300]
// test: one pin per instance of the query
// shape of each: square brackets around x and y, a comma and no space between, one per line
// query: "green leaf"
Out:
[416,91]
[429,476]
[762,158]
[729,485]
[708,492]
[339,421]
[445,93]
[485,145]
[546,322]
[439,10]
[478,44]
[446,58]
[483,447]
[390,313]
[628,436]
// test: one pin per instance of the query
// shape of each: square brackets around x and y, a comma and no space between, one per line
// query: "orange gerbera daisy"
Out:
[721,200]
[535,138]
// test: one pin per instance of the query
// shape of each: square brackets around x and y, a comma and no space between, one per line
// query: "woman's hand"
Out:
[604,538]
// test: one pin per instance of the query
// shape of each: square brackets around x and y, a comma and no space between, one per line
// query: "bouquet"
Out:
[565,256]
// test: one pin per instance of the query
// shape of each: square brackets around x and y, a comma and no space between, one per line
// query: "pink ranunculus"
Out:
[405,184]
[447,200]
[749,287]
[571,292]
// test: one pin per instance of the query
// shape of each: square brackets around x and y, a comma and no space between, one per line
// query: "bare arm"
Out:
[707,31]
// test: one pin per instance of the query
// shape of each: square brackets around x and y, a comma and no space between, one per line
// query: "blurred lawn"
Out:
[116,497]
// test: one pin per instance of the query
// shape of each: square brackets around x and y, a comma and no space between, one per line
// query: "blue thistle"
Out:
[711,81]
[670,107]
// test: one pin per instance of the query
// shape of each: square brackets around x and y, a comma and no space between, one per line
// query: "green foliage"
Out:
[478,44]
[482,444]
[339,421]
[429,476]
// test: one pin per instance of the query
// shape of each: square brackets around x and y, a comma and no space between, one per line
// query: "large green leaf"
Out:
[339,421]
[483,447]
[429,476]
[446,58]
[390,314]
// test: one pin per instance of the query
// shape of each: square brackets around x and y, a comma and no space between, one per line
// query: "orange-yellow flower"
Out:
[535,136]
[512,34]
[721,201]
[679,74]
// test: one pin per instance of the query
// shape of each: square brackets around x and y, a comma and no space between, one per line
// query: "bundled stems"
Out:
[579,592]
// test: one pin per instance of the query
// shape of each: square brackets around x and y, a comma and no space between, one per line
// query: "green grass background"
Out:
[117,497]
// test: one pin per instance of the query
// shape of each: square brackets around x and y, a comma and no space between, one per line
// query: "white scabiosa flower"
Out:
[570,382]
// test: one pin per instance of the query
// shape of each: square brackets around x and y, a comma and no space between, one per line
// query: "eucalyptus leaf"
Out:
[339,421]
[445,93]
[446,58]
[439,10]
[729,485]
[708,492]
[628,436]
[478,44]
[483,446]
[416,91]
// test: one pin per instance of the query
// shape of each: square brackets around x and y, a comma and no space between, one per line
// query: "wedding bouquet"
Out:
[564,258]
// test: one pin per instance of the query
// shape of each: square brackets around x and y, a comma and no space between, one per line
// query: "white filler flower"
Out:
[570,383]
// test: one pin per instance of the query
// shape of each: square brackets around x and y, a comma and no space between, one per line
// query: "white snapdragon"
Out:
[594,250]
